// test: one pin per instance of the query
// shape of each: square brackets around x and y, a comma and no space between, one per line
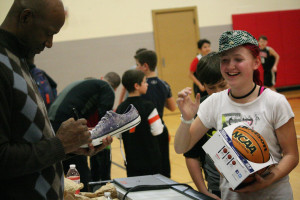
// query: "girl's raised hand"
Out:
[187,107]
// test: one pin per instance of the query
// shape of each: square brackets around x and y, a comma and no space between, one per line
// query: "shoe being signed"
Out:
[114,124]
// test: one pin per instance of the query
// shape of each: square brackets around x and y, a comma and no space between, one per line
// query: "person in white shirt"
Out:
[266,111]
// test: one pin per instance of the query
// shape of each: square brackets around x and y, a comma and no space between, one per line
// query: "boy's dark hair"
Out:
[208,69]
[147,56]
[263,37]
[202,42]
[140,50]
[113,79]
[131,77]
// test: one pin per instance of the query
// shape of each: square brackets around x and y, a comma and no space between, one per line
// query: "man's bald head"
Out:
[34,22]
[39,7]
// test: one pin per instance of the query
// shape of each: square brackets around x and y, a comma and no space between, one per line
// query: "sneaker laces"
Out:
[101,122]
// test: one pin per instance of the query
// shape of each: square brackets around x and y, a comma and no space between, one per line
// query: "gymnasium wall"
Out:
[106,18]
[283,30]
[102,35]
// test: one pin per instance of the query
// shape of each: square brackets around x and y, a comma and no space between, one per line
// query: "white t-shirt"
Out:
[265,114]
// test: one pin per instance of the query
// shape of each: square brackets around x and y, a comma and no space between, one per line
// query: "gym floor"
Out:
[179,171]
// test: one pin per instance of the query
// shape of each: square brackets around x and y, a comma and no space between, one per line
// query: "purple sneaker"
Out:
[113,124]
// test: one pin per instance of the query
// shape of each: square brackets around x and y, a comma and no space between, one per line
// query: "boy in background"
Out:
[140,143]
[124,94]
[269,60]
[204,49]
[159,93]
[209,74]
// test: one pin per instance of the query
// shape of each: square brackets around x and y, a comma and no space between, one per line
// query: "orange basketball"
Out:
[252,146]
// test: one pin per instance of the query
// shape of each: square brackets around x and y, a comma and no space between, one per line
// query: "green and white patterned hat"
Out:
[231,39]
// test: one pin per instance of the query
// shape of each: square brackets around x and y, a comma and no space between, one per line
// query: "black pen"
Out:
[75,114]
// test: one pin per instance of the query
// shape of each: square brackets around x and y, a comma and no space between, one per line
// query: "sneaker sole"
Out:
[122,129]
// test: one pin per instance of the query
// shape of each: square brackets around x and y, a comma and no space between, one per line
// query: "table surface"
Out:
[163,194]
[175,193]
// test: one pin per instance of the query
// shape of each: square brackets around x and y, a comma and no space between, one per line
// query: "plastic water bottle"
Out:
[74,175]
[107,195]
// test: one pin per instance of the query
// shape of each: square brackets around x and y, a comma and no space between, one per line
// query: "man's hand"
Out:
[73,134]
[91,151]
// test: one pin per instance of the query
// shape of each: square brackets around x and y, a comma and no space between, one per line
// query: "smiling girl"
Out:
[267,112]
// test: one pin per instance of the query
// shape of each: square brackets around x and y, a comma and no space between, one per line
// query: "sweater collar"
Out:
[12,43]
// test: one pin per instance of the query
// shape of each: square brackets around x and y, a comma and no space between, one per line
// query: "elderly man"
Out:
[30,151]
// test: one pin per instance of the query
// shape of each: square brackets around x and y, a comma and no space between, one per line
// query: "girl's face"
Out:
[237,66]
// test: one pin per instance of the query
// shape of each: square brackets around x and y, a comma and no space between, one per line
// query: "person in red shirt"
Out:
[204,49]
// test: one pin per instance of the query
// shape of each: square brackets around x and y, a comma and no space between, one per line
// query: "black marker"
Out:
[75,114]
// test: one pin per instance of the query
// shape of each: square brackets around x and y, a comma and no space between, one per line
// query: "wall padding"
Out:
[283,32]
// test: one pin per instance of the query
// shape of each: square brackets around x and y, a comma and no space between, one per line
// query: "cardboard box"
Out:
[234,167]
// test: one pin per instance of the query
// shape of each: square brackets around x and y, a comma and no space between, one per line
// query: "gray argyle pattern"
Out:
[34,124]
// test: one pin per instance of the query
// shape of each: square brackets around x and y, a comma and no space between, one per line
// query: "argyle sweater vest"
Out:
[30,154]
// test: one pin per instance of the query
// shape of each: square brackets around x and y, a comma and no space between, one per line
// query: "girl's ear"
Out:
[257,62]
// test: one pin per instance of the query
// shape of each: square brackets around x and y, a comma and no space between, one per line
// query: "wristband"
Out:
[186,121]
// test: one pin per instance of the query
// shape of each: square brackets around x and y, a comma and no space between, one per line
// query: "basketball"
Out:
[252,146]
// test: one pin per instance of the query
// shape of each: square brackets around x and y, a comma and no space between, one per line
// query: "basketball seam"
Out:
[256,143]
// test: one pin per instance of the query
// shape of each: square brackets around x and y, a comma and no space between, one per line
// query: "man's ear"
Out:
[26,16]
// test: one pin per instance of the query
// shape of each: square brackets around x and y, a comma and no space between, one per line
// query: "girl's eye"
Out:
[224,60]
